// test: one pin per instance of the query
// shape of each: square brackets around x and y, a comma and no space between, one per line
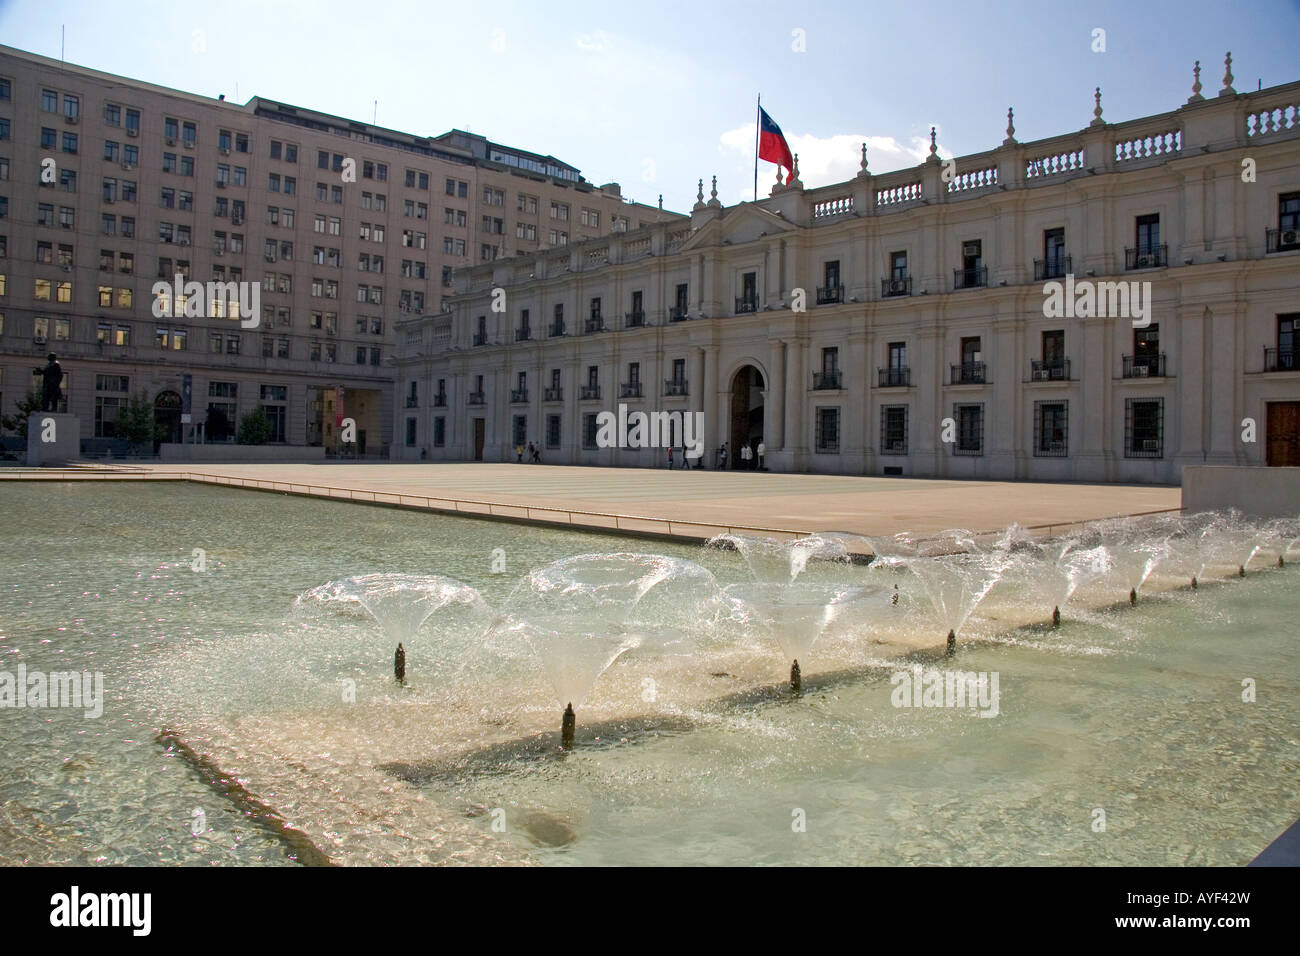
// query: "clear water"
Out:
[1134,711]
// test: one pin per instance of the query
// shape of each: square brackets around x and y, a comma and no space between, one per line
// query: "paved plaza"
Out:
[711,499]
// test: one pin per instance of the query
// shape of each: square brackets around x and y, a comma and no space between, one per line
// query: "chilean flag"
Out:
[772,146]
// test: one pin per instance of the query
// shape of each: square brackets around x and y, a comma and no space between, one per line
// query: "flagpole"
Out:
[758,125]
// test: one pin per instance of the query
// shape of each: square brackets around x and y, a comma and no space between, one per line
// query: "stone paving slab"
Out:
[786,502]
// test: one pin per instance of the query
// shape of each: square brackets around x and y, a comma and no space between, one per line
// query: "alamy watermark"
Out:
[38,690]
[651,430]
[949,689]
[215,300]
[1084,298]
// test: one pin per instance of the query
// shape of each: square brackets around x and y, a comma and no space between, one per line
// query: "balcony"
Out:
[480,338]
[633,320]
[828,295]
[518,396]
[968,373]
[678,314]
[595,324]
[1281,360]
[1049,370]
[553,395]
[1056,268]
[675,387]
[1281,240]
[557,328]
[629,390]
[476,398]
[440,401]
[745,305]
[1144,366]
[970,278]
[894,377]
[826,381]
[889,288]
[412,401]
[1154,258]
[523,335]
[590,393]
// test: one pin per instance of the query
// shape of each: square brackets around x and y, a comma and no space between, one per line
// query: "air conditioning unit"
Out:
[237,220]
[219,252]
[1144,262]
[133,132]
[38,339]
[70,120]
[67,225]
[269,258]
[128,166]
[189,144]
[1151,444]
[897,285]
[1289,237]
[1040,375]
[171,142]
[970,249]
[225,152]
[221,184]
[1141,371]
[184,242]
[109,199]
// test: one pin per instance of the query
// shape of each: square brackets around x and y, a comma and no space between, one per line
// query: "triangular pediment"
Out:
[738,225]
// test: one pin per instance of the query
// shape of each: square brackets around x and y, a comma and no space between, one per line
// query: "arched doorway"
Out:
[746,417]
[167,418]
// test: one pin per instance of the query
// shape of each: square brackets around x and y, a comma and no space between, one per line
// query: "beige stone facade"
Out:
[904,324]
[149,181]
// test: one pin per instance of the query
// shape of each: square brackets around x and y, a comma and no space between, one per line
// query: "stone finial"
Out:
[1196,96]
[661,200]
[934,148]
[863,165]
[1096,110]
[713,195]
[1011,127]
[1227,77]
[794,182]
[778,187]
[699,197]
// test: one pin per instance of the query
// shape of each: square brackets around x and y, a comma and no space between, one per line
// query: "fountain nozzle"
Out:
[1133,596]
[952,642]
[567,728]
[1056,616]
[1281,561]
[1241,570]
[796,677]
[894,599]
[399,664]
[1194,584]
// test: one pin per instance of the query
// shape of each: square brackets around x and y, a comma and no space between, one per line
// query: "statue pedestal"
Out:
[53,439]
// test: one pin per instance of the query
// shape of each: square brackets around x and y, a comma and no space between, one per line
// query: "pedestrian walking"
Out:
[670,457]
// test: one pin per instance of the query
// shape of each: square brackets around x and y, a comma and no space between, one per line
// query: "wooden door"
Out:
[1283,448]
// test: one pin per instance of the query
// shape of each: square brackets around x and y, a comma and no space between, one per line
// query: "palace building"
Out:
[914,323]
[109,185]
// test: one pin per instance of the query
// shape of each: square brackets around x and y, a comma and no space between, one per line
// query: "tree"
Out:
[135,422]
[254,428]
[17,423]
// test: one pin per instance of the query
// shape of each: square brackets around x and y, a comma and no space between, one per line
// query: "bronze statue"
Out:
[51,379]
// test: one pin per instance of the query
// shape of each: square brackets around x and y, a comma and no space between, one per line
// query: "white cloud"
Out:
[829,159]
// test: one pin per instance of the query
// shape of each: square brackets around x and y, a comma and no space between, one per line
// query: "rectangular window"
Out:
[1144,425]
[552,431]
[828,430]
[1051,421]
[439,432]
[589,430]
[970,429]
[893,429]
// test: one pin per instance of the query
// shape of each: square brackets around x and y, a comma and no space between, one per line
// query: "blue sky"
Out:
[657,95]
